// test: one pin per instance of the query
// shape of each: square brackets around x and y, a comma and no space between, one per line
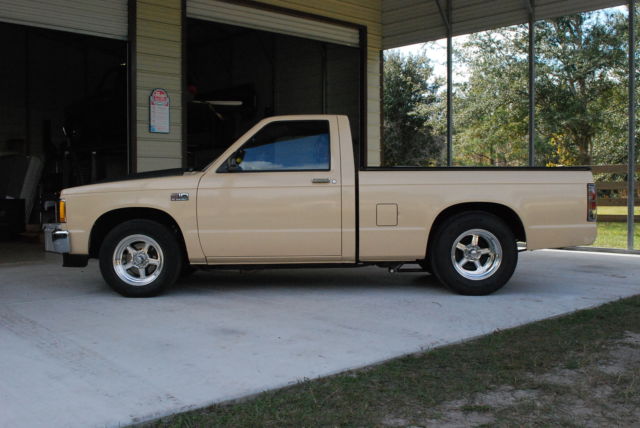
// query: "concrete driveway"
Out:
[74,354]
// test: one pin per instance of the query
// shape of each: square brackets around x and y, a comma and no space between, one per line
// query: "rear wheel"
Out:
[140,258]
[474,253]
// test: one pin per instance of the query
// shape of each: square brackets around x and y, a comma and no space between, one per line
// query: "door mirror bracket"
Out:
[233,163]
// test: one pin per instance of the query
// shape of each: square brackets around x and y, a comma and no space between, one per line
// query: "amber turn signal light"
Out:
[62,211]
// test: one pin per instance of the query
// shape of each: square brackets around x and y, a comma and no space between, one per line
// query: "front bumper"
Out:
[56,240]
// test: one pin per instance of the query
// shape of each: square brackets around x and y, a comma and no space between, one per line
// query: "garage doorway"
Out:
[63,117]
[237,76]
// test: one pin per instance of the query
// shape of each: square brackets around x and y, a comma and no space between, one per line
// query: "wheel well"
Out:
[109,220]
[502,211]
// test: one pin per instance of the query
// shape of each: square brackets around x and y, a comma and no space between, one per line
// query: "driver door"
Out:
[275,197]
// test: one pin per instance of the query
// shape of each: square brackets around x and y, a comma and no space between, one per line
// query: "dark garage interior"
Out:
[237,76]
[63,118]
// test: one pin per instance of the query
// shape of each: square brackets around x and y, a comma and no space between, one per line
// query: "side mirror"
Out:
[233,163]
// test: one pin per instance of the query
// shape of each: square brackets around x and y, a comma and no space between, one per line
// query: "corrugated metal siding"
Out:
[373,109]
[104,18]
[158,65]
[362,12]
[251,17]
[406,22]
[552,8]
[369,14]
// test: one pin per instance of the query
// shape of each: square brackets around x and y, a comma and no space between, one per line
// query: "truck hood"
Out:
[168,179]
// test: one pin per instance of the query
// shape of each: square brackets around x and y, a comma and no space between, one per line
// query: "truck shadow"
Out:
[369,278]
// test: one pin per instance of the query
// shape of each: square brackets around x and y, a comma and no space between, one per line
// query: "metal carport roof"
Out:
[406,22]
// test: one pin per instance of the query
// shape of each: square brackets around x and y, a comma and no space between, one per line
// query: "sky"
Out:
[437,52]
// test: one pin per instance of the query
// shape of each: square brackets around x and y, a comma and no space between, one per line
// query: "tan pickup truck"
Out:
[289,192]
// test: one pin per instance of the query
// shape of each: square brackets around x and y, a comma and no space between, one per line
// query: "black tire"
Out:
[187,270]
[426,265]
[160,269]
[483,267]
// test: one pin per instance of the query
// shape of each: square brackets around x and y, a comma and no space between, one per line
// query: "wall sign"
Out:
[159,111]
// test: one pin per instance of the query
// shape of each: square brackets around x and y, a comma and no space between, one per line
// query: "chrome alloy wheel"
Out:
[476,254]
[137,260]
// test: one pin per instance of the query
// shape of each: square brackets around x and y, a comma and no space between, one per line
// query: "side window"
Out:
[301,145]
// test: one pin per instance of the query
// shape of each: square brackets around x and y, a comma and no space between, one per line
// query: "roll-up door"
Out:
[299,83]
[104,18]
[267,20]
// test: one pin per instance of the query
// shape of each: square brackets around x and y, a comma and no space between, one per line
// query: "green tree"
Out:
[410,100]
[581,97]
[490,103]
[581,86]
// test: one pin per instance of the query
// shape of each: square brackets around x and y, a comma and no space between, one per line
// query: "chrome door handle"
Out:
[320,180]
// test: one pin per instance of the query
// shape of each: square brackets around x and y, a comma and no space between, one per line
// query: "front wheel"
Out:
[474,253]
[140,258]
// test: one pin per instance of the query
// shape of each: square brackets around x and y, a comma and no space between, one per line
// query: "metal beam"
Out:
[449,83]
[444,16]
[532,82]
[631,173]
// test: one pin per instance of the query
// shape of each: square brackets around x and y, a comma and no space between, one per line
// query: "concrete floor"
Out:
[74,354]
[22,249]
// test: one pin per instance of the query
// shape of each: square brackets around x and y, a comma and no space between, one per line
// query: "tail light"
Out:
[62,211]
[592,202]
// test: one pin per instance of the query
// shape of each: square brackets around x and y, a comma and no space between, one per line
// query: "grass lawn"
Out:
[614,235]
[616,210]
[582,369]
